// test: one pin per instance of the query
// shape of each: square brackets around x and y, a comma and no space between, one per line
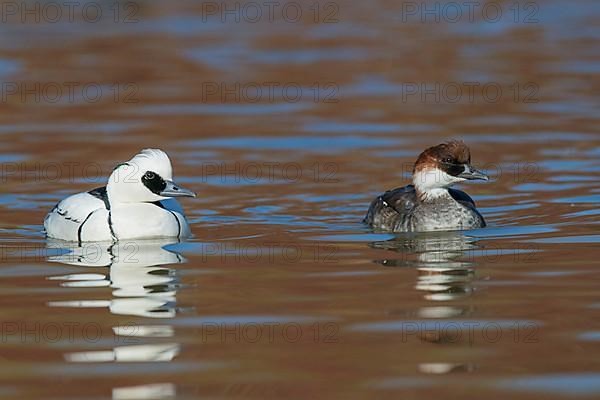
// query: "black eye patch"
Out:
[451,167]
[154,182]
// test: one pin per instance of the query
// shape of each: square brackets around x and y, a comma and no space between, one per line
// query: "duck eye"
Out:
[447,160]
[149,175]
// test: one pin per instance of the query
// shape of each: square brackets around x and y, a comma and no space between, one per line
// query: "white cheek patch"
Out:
[432,179]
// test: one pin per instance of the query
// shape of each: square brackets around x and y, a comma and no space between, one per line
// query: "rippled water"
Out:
[282,292]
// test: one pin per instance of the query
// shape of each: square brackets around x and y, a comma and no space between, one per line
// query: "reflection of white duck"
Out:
[141,285]
[147,391]
[137,203]
[135,353]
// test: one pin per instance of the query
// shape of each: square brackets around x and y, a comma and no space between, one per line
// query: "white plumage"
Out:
[136,203]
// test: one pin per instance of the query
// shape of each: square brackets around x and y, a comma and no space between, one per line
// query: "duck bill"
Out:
[172,190]
[471,173]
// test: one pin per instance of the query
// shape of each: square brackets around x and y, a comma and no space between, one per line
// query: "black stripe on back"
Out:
[100,193]
[81,227]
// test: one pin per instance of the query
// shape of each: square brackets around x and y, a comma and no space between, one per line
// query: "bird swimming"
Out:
[137,203]
[429,204]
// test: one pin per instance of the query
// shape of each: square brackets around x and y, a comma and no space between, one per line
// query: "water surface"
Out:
[282,292]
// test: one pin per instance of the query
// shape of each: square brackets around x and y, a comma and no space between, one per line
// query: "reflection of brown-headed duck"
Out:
[429,204]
